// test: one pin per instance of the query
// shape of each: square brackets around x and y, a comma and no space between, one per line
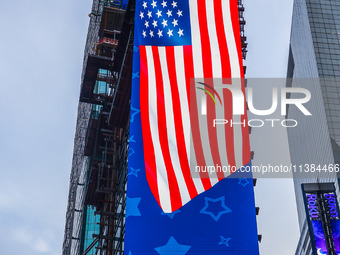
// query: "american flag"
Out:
[179,41]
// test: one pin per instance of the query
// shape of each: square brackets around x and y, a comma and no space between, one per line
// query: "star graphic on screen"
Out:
[145,5]
[135,75]
[211,206]
[173,246]
[146,24]
[154,4]
[164,4]
[170,32]
[164,23]
[131,152]
[171,215]
[174,4]
[160,33]
[132,206]
[169,13]
[134,112]
[159,13]
[224,241]
[133,171]
[131,139]
[243,181]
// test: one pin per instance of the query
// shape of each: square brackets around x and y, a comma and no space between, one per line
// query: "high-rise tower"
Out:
[314,64]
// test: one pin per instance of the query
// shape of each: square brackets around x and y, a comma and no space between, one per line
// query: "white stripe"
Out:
[162,177]
[171,129]
[217,73]
[183,97]
[196,40]
[236,75]
[198,73]
[182,90]
[214,47]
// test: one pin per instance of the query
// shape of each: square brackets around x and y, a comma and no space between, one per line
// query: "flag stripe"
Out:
[172,118]
[209,64]
[149,158]
[235,74]
[162,129]
[202,68]
[195,158]
[162,173]
[179,121]
[197,66]
[176,135]
[222,41]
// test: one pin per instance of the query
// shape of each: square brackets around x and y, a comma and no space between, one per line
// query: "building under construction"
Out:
[95,216]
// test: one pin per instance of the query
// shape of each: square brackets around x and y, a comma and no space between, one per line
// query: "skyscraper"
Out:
[314,64]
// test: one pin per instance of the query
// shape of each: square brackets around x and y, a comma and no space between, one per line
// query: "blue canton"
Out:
[163,22]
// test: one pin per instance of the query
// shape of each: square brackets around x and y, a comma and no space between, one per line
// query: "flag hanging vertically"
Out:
[180,47]
[178,41]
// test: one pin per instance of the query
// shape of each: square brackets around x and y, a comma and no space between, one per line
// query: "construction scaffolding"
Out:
[95,218]
[97,194]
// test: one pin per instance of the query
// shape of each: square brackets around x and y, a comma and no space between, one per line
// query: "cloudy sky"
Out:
[42,45]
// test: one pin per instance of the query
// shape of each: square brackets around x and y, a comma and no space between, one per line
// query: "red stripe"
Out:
[208,73]
[183,158]
[176,201]
[245,130]
[149,155]
[236,28]
[222,40]
[191,90]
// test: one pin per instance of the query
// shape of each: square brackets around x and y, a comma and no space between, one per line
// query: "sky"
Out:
[42,46]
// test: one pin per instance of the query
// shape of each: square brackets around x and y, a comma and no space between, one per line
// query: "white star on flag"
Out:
[149,14]
[160,33]
[164,23]
[170,32]
[154,23]
[175,22]
[179,13]
[164,4]
[151,33]
[180,32]
[169,13]
[154,4]
[141,15]
[174,4]
[146,24]
[159,13]
[145,5]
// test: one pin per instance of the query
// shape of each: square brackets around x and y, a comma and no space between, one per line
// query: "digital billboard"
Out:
[323,217]
[168,211]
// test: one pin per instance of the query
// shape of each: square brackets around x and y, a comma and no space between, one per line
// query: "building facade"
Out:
[314,64]
[95,218]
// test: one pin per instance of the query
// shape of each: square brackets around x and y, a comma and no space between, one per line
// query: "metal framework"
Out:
[101,147]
